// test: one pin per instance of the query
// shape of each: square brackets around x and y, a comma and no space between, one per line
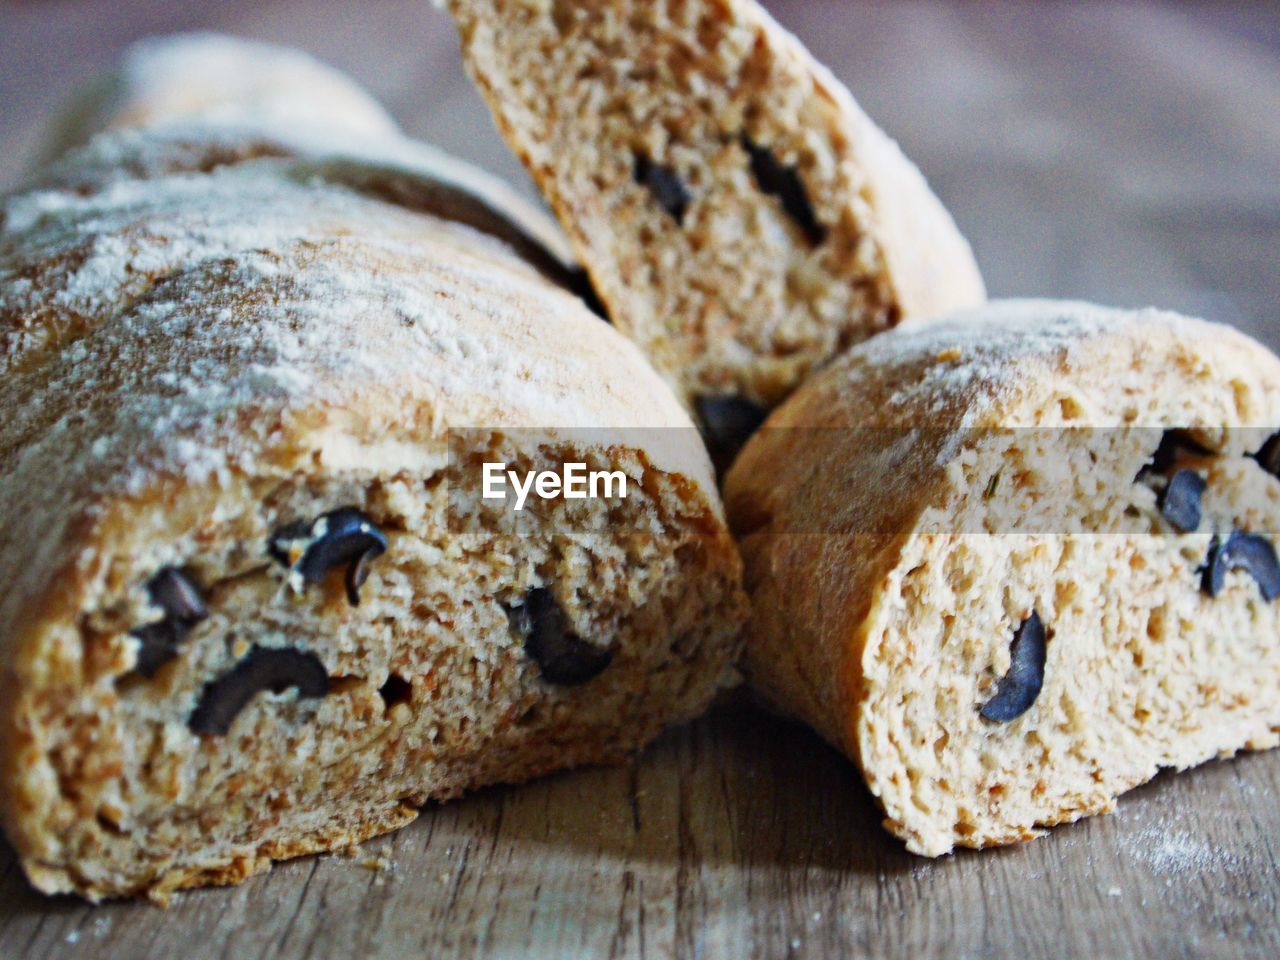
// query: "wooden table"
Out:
[1122,152]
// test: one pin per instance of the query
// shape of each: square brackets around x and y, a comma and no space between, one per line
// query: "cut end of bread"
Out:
[740,217]
[1019,561]
[271,667]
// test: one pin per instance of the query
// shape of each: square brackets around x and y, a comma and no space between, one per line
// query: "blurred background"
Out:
[1123,152]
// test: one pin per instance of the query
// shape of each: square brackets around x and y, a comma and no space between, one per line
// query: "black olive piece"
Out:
[665,185]
[785,184]
[263,669]
[1269,455]
[1172,444]
[1180,500]
[579,283]
[563,657]
[395,690]
[343,536]
[727,424]
[158,643]
[1019,687]
[1242,551]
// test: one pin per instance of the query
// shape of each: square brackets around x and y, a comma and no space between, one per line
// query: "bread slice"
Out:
[256,605]
[1015,562]
[739,215]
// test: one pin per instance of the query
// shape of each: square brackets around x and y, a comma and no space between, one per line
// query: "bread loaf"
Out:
[255,603]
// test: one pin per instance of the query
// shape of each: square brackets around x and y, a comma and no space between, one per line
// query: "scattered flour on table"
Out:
[1169,852]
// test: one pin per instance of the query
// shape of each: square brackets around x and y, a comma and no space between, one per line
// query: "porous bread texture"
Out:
[196,354]
[910,507]
[733,297]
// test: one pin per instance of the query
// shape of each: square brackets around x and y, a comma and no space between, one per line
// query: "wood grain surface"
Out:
[1127,153]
